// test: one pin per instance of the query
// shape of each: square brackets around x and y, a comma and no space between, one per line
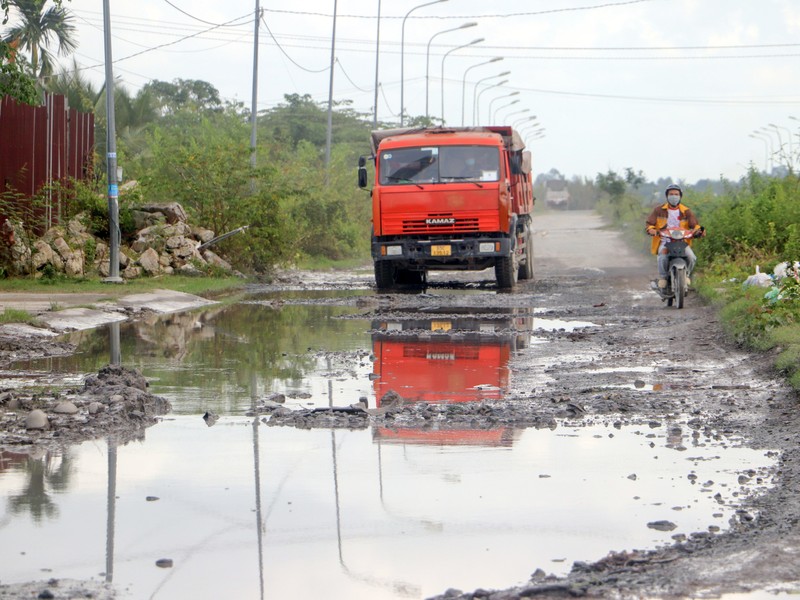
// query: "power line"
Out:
[240,37]
[486,16]
[386,101]
[293,61]
[505,48]
[700,101]
[180,10]
[360,89]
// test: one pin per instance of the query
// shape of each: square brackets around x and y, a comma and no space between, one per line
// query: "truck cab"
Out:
[450,199]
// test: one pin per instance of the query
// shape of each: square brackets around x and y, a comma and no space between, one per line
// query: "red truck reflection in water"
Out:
[446,359]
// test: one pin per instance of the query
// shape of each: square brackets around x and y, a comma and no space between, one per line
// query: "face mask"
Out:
[673,200]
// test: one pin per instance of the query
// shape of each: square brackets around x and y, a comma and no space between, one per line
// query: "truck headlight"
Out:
[486,247]
[394,250]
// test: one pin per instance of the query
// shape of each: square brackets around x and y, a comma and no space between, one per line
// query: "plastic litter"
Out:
[758,279]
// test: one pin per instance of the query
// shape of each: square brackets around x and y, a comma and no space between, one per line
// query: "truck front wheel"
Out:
[385,273]
[505,272]
[526,270]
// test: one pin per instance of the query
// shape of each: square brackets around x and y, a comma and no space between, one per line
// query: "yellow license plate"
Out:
[440,250]
[441,325]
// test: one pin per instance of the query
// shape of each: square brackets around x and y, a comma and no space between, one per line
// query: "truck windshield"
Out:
[439,164]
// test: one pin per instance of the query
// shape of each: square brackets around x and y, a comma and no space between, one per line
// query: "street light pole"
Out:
[329,133]
[499,108]
[402,58]
[517,123]
[476,96]
[771,147]
[517,112]
[446,54]
[377,56]
[464,82]
[789,135]
[493,100]
[478,101]
[766,149]
[428,58]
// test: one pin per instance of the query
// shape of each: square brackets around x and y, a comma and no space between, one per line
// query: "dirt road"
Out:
[639,363]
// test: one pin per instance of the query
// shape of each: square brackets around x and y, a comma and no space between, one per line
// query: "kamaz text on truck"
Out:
[450,199]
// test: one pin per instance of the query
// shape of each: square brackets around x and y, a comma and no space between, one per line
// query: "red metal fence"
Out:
[40,145]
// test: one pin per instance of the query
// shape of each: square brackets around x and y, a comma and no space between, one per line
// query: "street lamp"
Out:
[517,112]
[478,102]
[499,108]
[771,147]
[489,114]
[766,149]
[402,56]
[476,113]
[789,134]
[428,57]
[446,54]
[464,82]
[518,122]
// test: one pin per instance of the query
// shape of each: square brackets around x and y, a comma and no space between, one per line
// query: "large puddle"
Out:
[243,510]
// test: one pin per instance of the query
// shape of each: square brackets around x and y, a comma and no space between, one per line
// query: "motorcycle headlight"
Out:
[676,234]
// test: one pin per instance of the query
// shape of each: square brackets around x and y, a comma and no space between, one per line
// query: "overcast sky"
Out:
[670,87]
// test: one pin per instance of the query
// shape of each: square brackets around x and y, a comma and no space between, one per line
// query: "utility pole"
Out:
[254,104]
[330,101]
[111,157]
[377,55]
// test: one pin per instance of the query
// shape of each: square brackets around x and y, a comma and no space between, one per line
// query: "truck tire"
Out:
[526,269]
[384,275]
[505,272]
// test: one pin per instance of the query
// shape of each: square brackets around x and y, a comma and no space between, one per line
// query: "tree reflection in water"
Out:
[48,473]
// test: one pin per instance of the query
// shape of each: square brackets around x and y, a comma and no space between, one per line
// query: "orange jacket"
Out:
[658,220]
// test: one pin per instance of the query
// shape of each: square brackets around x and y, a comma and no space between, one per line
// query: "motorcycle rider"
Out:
[672,214]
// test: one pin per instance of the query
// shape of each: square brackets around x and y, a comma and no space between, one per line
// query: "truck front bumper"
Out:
[463,253]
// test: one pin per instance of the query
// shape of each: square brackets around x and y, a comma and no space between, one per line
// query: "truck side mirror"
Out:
[362,172]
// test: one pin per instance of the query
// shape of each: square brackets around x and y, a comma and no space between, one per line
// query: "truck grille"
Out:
[440,223]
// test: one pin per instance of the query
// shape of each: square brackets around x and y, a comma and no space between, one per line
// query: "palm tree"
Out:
[37,29]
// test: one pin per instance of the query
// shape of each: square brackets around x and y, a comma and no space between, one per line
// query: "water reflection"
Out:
[449,357]
[47,474]
[206,360]
[371,520]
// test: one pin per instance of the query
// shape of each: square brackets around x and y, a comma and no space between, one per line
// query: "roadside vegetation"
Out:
[752,225]
[179,141]
[15,315]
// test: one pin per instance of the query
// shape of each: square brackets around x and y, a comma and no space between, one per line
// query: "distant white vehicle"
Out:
[556,194]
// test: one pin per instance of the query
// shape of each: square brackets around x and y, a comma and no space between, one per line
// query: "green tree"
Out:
[14,81]
[178,95]
[37,29]
[611,183]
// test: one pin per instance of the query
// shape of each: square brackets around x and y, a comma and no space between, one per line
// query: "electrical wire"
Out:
[386,101]
[127,41]
[293,61]
[172,43]
[180,10]
[360,89]
[489,16]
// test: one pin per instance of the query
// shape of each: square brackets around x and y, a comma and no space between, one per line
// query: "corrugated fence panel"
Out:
[39,145]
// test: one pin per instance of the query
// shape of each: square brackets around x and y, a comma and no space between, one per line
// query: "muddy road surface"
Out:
[585,347]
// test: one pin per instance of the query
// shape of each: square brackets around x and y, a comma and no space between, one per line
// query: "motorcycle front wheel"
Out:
[679,282]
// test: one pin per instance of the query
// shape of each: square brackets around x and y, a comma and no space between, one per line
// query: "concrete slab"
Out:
[36,303]
[163,301]
[60,312]
[74,319]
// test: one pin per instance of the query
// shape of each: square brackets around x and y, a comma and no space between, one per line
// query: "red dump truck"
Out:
[450,199]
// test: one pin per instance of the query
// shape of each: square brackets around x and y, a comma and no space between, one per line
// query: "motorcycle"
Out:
[677,276]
